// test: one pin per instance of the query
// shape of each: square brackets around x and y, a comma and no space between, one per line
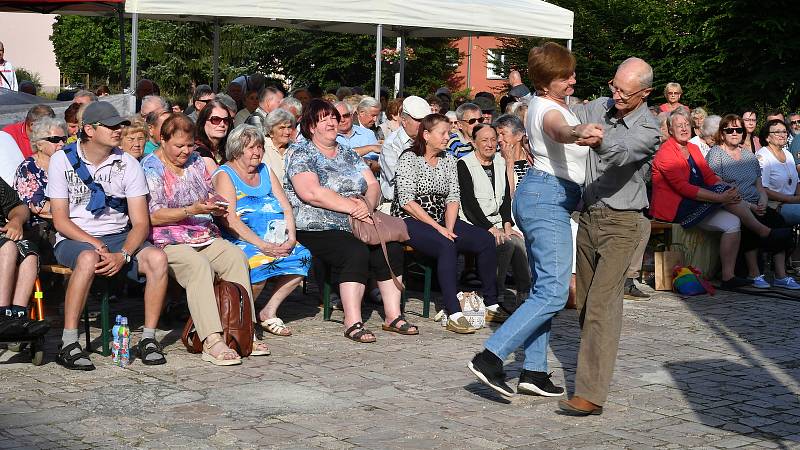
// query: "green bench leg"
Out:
[105,325]
[426,293]
[326,300]
[86,328]
[105,332]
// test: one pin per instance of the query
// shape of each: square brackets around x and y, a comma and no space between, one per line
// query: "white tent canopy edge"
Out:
[403,18]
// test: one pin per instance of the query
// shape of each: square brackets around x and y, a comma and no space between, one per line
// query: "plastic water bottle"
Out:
[116,342]
[124,343]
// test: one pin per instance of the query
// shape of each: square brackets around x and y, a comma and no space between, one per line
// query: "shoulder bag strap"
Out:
[399,284]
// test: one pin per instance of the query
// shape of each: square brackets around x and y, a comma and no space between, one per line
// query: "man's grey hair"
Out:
[240,138]
[368,102]
[291,102]
[37,112]
[449,114]
[268,92]
[42,127]
[710,126]
[85,93]
[646,76]
[162,103]
[512,122]
[229,103]
[346,105]
[461,110]
[277,117]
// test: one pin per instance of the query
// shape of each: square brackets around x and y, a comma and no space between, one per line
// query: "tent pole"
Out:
[400,90]
[215,85]
[569,44]
[121,15]
[469,62]
[134,51]
[378,57]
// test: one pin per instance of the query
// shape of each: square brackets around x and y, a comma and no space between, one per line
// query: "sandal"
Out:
[149,346]
[362,332]
[226,357]
[260,348]
[276,327]
[65,359]
[406,328]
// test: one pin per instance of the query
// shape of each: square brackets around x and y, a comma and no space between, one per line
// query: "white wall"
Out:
[26,37]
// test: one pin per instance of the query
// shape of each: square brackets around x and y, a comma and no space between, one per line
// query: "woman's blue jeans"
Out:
[542,206]
[791,213]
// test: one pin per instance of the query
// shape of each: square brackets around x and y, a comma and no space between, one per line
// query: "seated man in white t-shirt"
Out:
[98,198]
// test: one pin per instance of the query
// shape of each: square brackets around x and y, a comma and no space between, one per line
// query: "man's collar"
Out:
[631,117]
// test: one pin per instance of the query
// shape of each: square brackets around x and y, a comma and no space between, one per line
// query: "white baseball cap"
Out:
[416,107]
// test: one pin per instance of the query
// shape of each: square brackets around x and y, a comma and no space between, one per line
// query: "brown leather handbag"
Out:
[235,313]
[384,228]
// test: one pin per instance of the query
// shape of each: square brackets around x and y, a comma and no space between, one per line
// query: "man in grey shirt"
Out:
[610,225]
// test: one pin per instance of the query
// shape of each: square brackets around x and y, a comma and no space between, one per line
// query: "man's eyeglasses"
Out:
[623,96]
[475,119]
[216,120]
[779,133]
[347,115]
[55,139]
[737,130]
[674,93]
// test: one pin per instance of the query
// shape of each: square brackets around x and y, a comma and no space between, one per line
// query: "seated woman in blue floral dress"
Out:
[48,136]
[260,222]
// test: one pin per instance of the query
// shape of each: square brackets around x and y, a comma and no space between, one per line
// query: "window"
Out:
[495,61]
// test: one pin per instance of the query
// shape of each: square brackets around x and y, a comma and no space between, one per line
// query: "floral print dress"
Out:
[259,209]
[169,190]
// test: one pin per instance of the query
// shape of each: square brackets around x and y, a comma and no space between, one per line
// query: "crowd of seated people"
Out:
[251,185]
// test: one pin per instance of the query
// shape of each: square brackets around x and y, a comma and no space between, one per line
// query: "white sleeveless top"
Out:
[567,161]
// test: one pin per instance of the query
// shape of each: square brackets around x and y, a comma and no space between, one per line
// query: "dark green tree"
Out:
[87,45]
[728,55]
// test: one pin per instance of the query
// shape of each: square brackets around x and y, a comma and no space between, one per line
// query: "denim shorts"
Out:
[67,252]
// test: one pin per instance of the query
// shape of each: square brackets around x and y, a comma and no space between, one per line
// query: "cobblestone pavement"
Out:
[719,372]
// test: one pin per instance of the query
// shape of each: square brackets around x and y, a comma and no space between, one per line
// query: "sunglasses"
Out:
[116,127]
[477,119]
[795,122]
[55,139]
[204,101]
[738,130]
[216,120]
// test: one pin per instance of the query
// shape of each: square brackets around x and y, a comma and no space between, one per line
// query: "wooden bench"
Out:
[105,323]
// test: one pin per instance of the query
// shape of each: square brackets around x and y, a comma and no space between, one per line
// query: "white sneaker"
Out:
[761,283]
[786,283]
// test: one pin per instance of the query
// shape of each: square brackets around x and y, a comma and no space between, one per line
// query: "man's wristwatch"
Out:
[126,255]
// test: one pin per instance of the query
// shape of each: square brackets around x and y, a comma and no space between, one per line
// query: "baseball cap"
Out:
[416,107]
[104,113]
[519,91]
[484,104]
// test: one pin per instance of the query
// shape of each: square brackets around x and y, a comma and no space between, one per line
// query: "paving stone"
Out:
[695,373]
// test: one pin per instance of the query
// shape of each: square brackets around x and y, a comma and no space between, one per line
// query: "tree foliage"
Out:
[177,54]
[728,55]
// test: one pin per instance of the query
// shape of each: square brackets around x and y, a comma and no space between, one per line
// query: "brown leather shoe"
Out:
[577,406]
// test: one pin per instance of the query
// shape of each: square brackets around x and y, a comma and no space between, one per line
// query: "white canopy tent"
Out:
[396,18]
